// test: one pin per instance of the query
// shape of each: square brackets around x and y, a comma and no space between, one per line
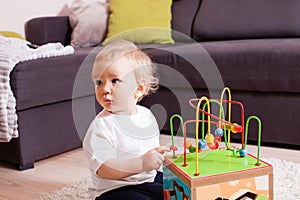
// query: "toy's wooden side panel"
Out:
[249,188]
[174,187]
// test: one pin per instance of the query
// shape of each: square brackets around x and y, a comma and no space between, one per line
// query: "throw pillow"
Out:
[11,34]
[89,22]
[142,21]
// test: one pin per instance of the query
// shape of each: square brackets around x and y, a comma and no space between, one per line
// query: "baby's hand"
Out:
[162,149]
[152,160]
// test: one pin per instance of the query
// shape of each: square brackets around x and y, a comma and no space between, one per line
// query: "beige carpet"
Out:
[286,184]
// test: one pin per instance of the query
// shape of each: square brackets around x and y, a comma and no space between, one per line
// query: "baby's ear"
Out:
[141,89]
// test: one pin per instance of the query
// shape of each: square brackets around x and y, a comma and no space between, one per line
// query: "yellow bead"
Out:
[209,138]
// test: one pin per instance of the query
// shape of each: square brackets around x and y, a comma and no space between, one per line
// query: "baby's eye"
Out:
[98,82]
[115,80]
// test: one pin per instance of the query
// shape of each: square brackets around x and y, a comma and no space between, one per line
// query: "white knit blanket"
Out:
[13,51]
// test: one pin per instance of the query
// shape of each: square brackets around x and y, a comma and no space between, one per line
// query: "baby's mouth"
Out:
[107,100]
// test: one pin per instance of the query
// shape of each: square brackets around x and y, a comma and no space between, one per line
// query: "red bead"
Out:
[235,128]
[173,148]
[218,138]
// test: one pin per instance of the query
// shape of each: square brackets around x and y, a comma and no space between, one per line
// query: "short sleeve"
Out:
[98,145]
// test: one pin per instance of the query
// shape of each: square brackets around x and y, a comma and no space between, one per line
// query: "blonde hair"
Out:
[144,68]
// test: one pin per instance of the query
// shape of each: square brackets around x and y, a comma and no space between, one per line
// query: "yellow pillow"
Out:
[140,21]
[11,34]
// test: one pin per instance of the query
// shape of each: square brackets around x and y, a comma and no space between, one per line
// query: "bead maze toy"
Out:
[206,170]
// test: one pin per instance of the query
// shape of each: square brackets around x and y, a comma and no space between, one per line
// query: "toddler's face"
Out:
[117,89]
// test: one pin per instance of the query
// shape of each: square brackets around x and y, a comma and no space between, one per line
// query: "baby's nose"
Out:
[107,88]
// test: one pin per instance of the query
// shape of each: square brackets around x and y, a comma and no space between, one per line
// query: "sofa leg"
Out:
[26,166]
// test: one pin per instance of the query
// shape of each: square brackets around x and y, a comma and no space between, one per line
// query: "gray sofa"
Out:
[253,47]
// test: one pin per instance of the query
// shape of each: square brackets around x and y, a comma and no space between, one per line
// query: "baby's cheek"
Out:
[97,94]
[125,92]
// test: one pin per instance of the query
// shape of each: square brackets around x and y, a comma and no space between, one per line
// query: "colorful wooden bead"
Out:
[209,138]
[188,144]
[218,139]
[235,128]
[243,152]
[219,132]
[173,148]
[192,149]
[201,144]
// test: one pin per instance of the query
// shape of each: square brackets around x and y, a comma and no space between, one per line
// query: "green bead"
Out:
[192,149]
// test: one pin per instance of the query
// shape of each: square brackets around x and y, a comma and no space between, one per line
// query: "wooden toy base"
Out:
[222,176]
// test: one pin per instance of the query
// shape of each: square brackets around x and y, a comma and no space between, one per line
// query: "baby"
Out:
[122,142]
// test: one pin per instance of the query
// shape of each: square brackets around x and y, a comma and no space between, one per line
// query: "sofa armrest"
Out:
[43,30]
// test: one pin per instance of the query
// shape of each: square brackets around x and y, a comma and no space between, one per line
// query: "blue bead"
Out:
[243,152]
[201,144]
[219,132]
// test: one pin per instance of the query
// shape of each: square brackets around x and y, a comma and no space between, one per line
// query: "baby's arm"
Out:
[124,167]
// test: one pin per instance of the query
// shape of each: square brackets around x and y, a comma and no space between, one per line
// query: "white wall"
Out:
[14,13]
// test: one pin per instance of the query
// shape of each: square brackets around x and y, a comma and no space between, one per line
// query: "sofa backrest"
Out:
[238,19]
[43,30]
[183,15]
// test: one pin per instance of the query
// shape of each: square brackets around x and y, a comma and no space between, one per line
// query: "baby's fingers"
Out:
[162,149]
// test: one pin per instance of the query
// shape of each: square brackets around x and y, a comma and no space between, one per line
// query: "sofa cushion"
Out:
[88,20]
[268,65]
[143,21]
[263,65]
[183,14]
[181,65]
[51,80]
[11,34]
[236,19]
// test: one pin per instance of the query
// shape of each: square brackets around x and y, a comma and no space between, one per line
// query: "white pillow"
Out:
[88,18]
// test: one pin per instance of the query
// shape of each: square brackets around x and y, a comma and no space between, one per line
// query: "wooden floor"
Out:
[67,168]
[47,175]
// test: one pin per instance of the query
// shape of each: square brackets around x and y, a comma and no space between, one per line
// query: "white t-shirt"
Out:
[119,136]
